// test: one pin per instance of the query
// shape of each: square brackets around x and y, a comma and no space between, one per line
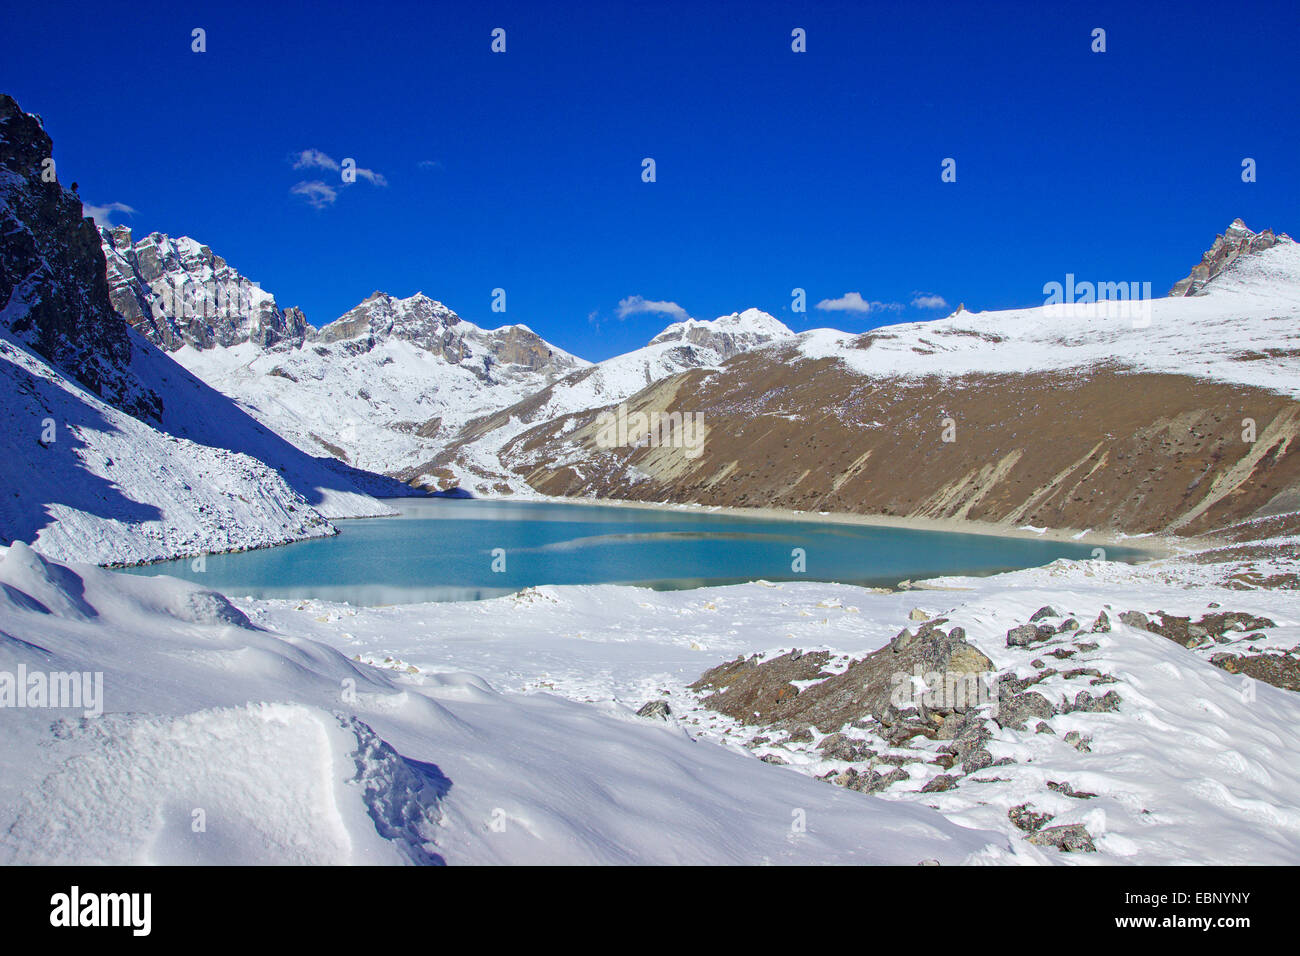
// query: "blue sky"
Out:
[775,169]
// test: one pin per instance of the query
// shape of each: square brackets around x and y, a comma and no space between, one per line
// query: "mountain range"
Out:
[1146,416]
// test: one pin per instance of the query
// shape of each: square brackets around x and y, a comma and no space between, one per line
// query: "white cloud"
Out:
[103,215]
[430,164]
[853,302]
[635,305]
[924,300]
[314,159]
[317,193]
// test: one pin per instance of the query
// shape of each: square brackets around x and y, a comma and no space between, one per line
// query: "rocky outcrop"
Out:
[726,335]
[795,692]
[53,291]
[427,323]
[1236,241]
[177,292]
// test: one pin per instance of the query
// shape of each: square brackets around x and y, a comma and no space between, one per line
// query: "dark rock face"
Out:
[54,296]
[1236,241]
[176,292]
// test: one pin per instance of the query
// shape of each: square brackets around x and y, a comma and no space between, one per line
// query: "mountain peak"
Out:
[1233,243]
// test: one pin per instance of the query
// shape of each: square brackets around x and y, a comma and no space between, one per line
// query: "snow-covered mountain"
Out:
[401,386]
[381,387]
[471,459]
[111,451]
[387,383]
[1170,414]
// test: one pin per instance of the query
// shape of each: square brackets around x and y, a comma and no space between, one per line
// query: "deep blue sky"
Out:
[819,170]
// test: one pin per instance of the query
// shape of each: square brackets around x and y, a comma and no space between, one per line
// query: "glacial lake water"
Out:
[446,550]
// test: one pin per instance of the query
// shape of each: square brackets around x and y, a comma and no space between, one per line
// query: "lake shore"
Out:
[1156,546]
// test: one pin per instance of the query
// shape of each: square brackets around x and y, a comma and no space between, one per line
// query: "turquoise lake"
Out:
[443,550]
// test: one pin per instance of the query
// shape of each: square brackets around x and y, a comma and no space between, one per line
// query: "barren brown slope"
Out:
[1101,449]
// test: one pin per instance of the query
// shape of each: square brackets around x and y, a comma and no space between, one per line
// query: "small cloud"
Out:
[924,300]
[314,159]
[430,164]
[316,193]
[103,215]
[853,302]
[636,305]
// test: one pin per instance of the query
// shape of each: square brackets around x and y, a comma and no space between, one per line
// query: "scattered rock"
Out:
[1070,838]
[1025,819]
[940,783]
[1085,702]
[655,708]
[1280,670]
[1133,619]
[1043,612]
[768,691]
[1016,712]
[1064,788]
[869,781]
[1078,741]
[917,615]
[1101,625]
[1026,634]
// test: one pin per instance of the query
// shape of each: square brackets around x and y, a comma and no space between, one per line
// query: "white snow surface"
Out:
[1196,766]
[1242,328]
[228,741]
[111,488]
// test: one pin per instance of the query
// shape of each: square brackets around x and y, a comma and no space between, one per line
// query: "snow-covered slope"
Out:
[472,457]
[1243,326]
[386,384]
[84,481]
[113,451]
[221,741]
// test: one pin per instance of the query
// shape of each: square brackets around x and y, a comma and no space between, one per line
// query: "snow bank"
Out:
[224,741]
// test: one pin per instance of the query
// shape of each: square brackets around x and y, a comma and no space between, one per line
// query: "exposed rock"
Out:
[940,784]
[53,291]
[655,709]
[765,692]
[1043,612]
[1025,819]
[1016,712]
[869,781]
[1280,670]
[1133,619]
[1078,741]
[1085,702]
[177,292]
[1026,634]
[1070,838]
[1101,625]
[1236,241]
[1064,788]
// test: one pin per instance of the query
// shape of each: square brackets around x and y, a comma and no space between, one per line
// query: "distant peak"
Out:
[1233,243]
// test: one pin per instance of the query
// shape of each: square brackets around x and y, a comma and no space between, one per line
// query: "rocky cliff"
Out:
[53,290]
